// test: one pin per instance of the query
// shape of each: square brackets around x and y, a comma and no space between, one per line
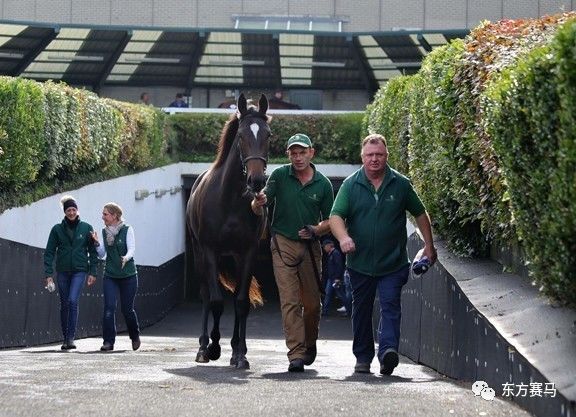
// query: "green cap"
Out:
[299,139]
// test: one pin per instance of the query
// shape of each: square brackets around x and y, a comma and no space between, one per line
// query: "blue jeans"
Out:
[69,287]
[340,292]
[127,288]
[364,289]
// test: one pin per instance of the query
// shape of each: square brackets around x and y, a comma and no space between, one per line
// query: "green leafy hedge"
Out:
[531,117]
[54,137]
[486,132]
[386,115]
[22,145]
[51,133]
[336,137]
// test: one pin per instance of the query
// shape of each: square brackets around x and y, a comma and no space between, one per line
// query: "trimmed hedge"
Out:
[51,134]
[54,137]
[23,146]
[336,137]
[489,141]
[386,115]
[531,117]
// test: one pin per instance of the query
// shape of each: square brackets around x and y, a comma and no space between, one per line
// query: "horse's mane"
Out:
[229,133]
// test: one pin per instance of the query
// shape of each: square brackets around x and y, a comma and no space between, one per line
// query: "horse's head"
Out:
[253,141]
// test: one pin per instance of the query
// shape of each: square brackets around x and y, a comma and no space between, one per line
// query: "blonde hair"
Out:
[114,209]
[374,139]
[65,199]
[64,202]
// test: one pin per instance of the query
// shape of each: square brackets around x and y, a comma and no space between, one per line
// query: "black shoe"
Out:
[68,345]
[389,362]
[296,365]
[136,343]
[106,347]
[310,355]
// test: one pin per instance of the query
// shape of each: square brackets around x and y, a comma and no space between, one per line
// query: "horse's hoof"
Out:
[214,351]
[234,360]
[202,357]
[242,364]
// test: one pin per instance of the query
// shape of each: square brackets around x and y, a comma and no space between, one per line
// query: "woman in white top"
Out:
[120,275]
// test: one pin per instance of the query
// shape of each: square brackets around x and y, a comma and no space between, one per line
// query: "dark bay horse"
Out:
[223,229]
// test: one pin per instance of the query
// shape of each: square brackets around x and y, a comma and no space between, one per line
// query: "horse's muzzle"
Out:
[256,182]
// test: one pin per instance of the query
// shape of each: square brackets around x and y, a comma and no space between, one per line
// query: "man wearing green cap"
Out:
[302,199]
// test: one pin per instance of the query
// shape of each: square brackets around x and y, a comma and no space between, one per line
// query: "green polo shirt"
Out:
[296,205]
[376,220]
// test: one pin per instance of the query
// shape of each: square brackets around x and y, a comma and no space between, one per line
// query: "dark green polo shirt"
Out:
[296,205]
[376,220]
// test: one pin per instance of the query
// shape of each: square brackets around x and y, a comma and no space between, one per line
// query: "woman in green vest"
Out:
[120,276]
[70,245]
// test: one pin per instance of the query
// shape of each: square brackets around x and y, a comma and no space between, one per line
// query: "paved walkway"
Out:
[162,379]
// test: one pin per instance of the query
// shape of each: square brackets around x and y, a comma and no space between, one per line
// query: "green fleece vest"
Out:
[114,252]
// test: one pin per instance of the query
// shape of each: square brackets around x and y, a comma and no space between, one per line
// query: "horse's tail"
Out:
[254,293]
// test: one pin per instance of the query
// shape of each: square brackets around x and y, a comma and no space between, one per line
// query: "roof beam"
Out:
[366,73]
[201,42]
[32,54]
[276,61]
[112,61]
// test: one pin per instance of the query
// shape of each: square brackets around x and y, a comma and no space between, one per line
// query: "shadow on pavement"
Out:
[214,374]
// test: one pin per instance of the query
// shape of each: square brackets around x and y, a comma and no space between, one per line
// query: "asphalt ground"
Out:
[162,378]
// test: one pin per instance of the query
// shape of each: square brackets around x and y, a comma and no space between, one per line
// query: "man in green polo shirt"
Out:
[302,199]
[369,220]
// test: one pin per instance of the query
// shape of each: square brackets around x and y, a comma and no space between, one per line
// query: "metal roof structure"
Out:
[94,56]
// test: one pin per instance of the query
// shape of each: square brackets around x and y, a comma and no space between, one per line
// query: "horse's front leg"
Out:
[239,348]
[202,355]
[214,349]
[234,340]
[211,300]
[242,308]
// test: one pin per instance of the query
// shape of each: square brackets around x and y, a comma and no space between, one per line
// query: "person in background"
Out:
[347,307]
[70,243]
[120,276]
[145,99]
[302,199]
[278,102]
[369,220]
[179,101]
[333,275]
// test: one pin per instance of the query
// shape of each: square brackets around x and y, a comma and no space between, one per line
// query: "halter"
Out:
[244,161]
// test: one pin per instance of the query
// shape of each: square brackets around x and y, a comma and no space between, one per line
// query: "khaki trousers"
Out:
[300,300]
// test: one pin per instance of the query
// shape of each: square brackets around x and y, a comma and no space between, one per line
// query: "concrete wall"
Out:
[374,15]
[155,219]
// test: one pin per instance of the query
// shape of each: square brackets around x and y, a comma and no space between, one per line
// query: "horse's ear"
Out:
[242,105]
[263,104]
